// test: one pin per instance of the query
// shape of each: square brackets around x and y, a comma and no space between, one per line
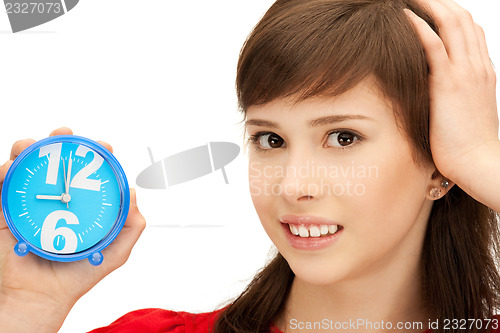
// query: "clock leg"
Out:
[21,249]
[96,258]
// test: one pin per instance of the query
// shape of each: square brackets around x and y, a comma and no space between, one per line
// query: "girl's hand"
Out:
[463,115]
[36,294]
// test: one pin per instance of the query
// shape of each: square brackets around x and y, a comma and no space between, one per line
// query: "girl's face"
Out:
[343,160]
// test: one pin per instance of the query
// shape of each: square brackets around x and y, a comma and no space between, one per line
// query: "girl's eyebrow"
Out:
[312,123]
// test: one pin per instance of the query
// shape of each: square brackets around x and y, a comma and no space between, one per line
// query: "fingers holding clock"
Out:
[118,252]
[106,145]
[7,240]
[135,222]
[68,131]
[61,131]
[19,146]
[133,198]
[3,171]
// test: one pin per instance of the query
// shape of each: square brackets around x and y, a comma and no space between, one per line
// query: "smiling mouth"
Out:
[314,230]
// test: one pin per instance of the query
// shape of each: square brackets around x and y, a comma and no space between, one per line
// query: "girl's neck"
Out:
[379,297]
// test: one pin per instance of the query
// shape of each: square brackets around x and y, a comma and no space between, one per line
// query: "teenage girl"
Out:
[389,106]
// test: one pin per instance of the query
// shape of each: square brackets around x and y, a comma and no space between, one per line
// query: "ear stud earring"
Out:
[435,193]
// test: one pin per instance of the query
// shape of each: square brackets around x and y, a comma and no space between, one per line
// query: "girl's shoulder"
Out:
[159,320]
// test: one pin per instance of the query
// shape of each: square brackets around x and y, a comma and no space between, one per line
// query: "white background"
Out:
[157,74]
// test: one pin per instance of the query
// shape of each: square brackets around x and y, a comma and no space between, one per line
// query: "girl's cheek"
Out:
[350,179]
[260,180]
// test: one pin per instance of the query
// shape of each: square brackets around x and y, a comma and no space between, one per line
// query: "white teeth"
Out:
[294,230]
[303,232]
[314,231]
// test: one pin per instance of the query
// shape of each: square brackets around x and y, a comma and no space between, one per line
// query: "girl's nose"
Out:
[301,180]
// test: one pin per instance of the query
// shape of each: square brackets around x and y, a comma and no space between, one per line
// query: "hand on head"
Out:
[463,115]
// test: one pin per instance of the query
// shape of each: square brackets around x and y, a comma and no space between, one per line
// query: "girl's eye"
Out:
[267,140]
[341,139]
[338,139]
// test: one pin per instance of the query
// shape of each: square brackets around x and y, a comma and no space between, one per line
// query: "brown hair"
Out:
[303,49]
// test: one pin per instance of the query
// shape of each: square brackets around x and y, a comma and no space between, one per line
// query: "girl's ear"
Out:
[438,186]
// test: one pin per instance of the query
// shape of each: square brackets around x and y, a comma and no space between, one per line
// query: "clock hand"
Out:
[65,180]
[65,198]
[49,197]
[70,163]
[64,170]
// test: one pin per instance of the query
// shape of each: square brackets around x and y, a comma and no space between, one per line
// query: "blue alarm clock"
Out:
[65,198]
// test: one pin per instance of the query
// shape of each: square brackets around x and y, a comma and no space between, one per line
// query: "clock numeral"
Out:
[80,180]
[49,232]
[54,152]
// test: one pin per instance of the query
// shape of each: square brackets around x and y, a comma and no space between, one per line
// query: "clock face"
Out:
[64,196]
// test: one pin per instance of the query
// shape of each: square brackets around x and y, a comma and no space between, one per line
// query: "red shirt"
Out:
[166,321]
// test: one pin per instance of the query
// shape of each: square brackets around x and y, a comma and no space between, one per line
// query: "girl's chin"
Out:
[319,278]
[317,271]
